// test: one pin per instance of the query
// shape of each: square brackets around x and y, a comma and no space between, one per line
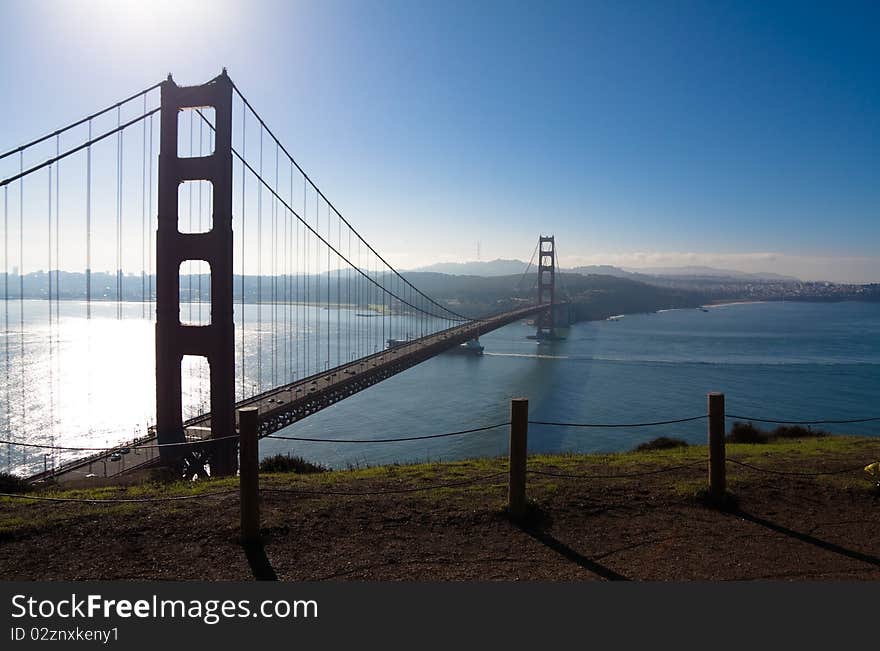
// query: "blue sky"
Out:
[641,134]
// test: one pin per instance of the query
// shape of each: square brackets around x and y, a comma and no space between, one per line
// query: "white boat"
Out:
[471,347]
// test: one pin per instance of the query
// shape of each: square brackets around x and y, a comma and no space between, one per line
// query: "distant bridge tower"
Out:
[214,341]
[546,286]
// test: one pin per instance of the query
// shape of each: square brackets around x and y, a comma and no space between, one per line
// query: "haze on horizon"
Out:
[738,136]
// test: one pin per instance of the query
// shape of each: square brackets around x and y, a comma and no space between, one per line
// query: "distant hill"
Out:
[601,270]
[593,296]
[497,267]
[709,272]
[503,267]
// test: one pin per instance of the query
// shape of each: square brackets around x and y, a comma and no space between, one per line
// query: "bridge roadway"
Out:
[292,402]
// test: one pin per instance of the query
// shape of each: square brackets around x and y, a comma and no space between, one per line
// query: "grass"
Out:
[17,515]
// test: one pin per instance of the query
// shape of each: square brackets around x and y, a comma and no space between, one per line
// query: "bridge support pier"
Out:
[214,341]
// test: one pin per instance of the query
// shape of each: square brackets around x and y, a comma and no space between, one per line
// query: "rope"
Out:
[78,122]
[599,425]
[392,491]
[796,474]
[129,500]
[78,148]
[118,447]
[806,422]
[619,476]
[407,438]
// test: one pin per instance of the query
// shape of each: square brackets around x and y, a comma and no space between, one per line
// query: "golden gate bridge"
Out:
[314,315]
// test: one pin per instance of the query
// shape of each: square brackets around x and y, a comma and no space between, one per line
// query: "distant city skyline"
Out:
[742,136]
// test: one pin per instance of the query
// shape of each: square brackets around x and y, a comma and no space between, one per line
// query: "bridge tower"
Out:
[214,341]
[546,286]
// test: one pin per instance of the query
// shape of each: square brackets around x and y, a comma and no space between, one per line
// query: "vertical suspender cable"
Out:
[297,294]
[51,332]
[288,260]
[357,288]
[144,216]
[89,226]
[307,269]
[57,234]
[338,294]
[6,320]
[119,215]
[243,249]
[150,227]
[49,275]
[199,222]
[22,429]
[189,263]
[348,303]
[260,271]
[317,284]
[328,288]
[57,390]
[203,407]
[275,276]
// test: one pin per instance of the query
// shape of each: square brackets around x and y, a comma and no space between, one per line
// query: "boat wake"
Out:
[529,355]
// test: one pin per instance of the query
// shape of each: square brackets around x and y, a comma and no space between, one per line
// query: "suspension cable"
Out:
[78,148]
[88,118]
[320,195]
[331,206]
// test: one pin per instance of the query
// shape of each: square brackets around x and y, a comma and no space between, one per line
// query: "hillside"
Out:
[647,527]
[593,297]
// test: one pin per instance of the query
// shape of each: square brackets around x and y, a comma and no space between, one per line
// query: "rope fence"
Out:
[391,440]
[518,470]
[616,425]
[806,422]
[142,445]
[121,500]
[841,471]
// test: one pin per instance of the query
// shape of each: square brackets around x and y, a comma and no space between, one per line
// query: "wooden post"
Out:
[519,428]
[249,479]
[717,466]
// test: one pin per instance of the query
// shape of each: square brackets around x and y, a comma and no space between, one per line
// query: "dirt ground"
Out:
[644,528]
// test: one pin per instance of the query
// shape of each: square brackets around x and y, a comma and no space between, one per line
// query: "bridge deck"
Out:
[292,402]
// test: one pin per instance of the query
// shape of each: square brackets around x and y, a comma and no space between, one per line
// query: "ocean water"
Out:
[789,361]
[82,382]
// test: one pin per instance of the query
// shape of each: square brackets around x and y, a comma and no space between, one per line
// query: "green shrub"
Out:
[796,432]
[10,483]
[289,463]
[746,433]
[661,443]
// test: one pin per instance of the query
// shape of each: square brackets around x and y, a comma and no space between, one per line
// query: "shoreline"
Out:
[735,302]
